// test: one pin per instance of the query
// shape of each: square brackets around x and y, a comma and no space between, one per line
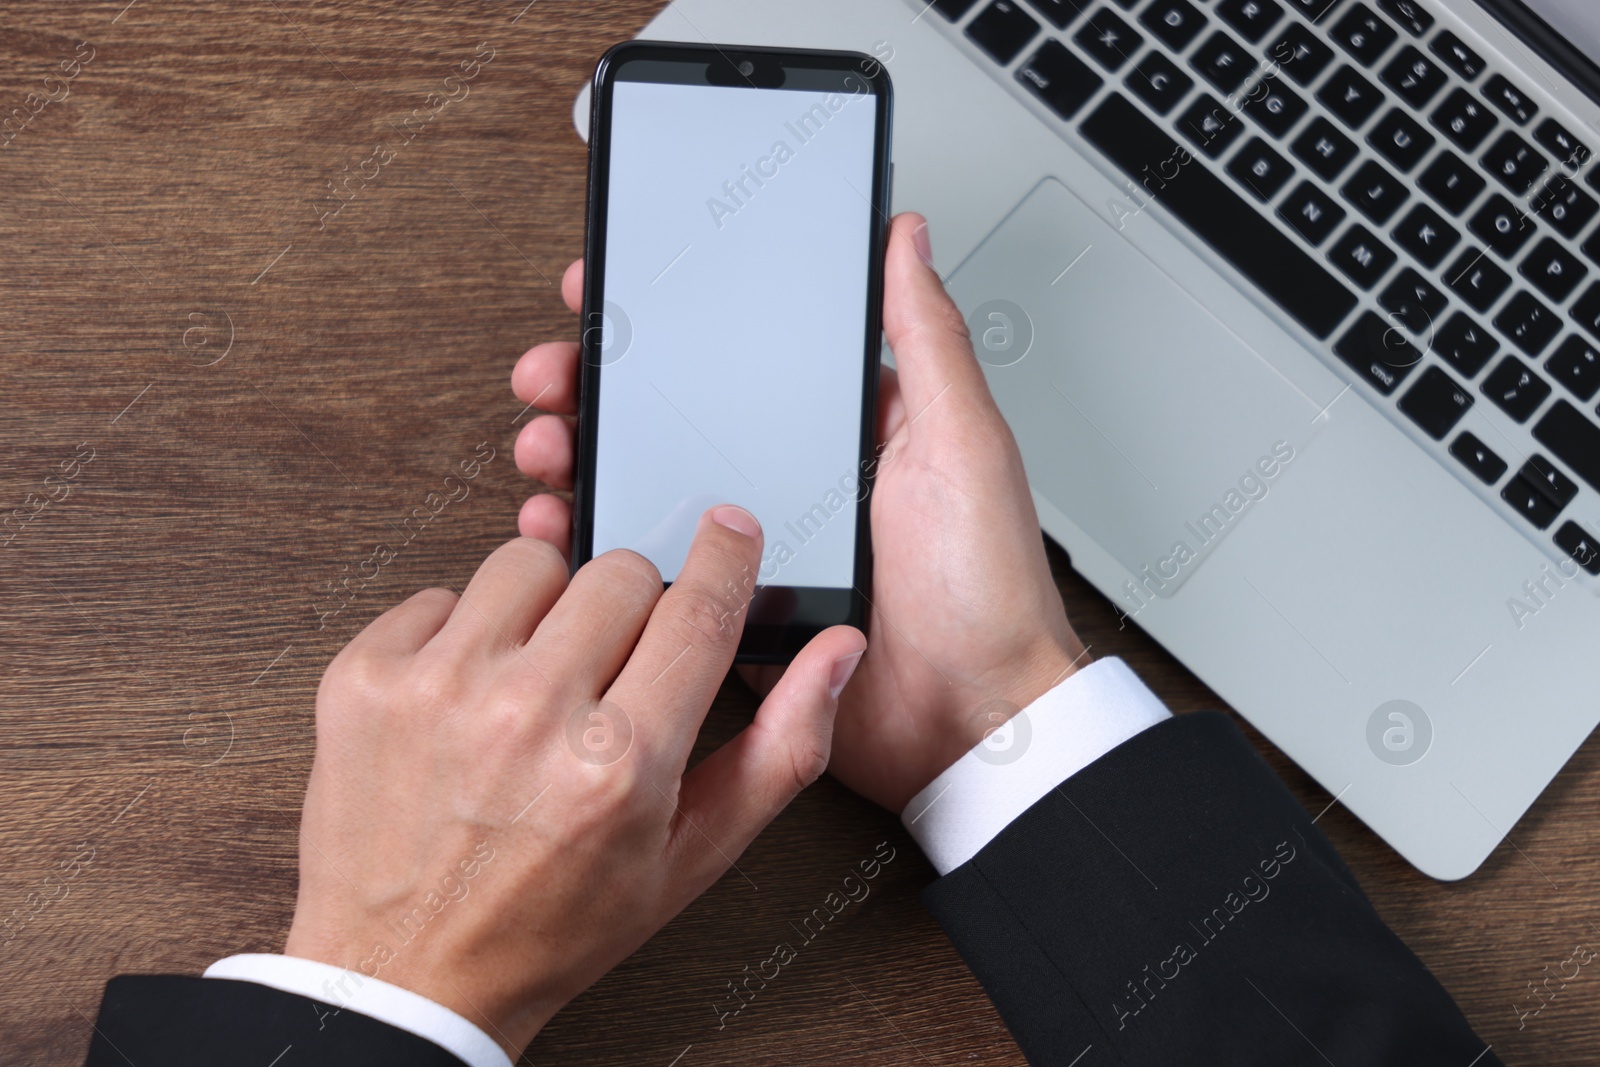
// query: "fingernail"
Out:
[924,247]
[737,518]
[843,668]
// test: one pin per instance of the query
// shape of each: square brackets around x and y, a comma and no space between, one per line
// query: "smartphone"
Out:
[738,211]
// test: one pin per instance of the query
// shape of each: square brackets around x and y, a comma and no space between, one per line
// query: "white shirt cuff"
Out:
[339,988]
[1087,715]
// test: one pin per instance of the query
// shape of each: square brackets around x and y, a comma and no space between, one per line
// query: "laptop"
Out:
[1294,307]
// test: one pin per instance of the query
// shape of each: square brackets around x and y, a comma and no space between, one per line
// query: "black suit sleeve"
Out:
[172,1021]
[1171,904]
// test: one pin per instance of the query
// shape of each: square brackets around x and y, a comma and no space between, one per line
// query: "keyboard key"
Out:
[1255,245]
[1409,14]
[1586,312]
[1576,365]
[1528,500]
[1452,181]
[1375,192]
[1313,9]
[1457,56]
[1275,106]
[1549,478]
[1578,543]
[1467,346]
[1108,40]
[1502,226]
[1210,125]
[1475,278]
[1362,256]
[1509,99]
[1529,324]
[1559,142]
[1573,438]
[1565,207]
[1059,78]
[1553,270]
[1312,213]
[1262,170]
[1350,96]
[1477,458]
[1061,12]
[1363,34]
[1464,120]
[1426,235]
[1400,139]
[1324,149]
[1251,18]
[1515,163]
[1516,389]
[1414,302]
[1414,76]
[953,9]
[1436,403]
[1300,54]
[1378,352]
[1158,82]
[1223,62]
[1173,22]
[1002,29]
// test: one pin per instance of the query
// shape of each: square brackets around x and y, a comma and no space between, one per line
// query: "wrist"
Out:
[995,700]
[344,991]
[1063,732]
[509,1021]
[1051,661]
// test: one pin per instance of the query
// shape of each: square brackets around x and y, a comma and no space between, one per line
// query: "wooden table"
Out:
[251,317]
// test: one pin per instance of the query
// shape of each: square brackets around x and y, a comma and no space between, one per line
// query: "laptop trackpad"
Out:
[1140,415]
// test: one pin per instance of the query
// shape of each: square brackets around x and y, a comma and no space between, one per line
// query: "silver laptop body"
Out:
[1301,343]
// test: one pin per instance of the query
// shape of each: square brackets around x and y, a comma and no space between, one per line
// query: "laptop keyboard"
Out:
[1371,175]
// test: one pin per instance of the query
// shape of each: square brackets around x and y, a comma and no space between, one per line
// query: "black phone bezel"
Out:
[761,642]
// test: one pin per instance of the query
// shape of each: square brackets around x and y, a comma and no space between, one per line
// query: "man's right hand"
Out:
[967,625]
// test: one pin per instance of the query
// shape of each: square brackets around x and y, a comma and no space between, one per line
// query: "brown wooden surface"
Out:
[162,640]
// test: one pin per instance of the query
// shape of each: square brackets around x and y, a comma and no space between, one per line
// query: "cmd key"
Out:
[1378,352]
[1059,78]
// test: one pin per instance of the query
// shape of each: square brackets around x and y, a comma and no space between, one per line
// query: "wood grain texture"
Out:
[167,618]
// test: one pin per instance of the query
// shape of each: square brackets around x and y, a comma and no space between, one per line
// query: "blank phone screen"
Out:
[732,366]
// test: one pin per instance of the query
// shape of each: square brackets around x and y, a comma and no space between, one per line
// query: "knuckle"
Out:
[808,759]
[627,568]
[502,717]
[619,787]
[941,321]
[726,565]
[356,677]
[699,616]
[947,318]
[540,558]
[360,692]
[433,686]
[435,598]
